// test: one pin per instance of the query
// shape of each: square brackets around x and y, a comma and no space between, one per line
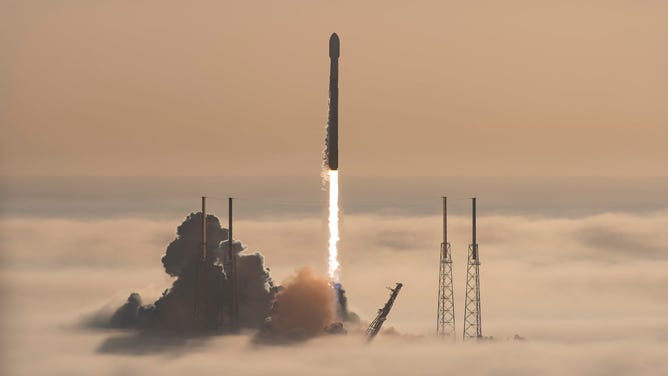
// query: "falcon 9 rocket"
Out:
[332,142]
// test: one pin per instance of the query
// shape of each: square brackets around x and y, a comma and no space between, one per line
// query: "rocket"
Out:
[332,141]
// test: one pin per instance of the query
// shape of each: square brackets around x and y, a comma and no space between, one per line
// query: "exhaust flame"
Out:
[334,266]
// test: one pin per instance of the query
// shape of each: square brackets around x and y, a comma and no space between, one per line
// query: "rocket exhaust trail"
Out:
[333,225]
[332,157]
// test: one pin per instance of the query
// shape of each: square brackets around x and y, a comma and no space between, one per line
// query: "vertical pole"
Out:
[476,258]
[203,228]
[198,261]
[229,228]
[474,240]
[234,314]
[445,220]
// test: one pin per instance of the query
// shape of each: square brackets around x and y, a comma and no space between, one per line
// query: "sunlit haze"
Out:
[446,88]
[322,139]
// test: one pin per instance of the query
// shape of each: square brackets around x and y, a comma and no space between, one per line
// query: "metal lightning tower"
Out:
[445,315]
[472,323]
[230,265]
[199,265]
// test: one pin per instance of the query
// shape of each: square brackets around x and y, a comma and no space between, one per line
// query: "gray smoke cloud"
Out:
[187,247]
[200,298]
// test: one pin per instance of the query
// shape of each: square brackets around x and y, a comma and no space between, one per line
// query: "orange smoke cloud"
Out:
[304,307]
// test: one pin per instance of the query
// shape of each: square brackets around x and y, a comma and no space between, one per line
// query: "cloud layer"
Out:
[589,293]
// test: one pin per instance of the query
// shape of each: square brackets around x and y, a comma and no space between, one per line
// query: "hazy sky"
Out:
[240,88]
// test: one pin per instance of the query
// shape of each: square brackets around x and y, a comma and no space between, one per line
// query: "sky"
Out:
[430,88]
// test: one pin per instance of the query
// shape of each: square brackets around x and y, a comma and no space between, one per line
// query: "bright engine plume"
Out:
[334,267]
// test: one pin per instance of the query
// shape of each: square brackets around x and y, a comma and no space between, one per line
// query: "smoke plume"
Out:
[304,307]
[201,296]
[187,247]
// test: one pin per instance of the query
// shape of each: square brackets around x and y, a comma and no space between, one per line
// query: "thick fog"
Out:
[587,292]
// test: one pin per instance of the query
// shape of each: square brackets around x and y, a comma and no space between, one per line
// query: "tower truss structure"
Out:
[377,323]
[445,317]
[472,320]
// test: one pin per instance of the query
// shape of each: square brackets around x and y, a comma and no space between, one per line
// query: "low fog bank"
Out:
[588,293]
[608,238]
[606,267]
[78,353]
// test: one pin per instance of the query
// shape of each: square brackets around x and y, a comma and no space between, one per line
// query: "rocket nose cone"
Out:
[334,46]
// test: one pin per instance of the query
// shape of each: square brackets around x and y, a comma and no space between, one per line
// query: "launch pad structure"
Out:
[377,323]
[445,318]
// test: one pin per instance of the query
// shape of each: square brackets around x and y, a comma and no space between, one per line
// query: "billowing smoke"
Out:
[127,314]
[304,308]
[200,298]
[187,247]
[342,312]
